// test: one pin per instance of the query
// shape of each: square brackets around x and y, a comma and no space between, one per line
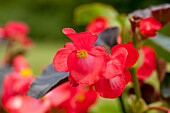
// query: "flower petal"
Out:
[148,62]
[116,65]
[97,25]
[110,88]
[127,76]
[72,81]
[149,26]
[83,40]
[70,46]
[68,31]
[60,60]
[27,104]
[86,71]
[20,63]
[97,51]
[133,53]
[60,94]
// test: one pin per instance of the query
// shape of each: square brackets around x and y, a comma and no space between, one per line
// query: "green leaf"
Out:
[85,13]
[165,86]
[125,26]
[161,44]
[137,106]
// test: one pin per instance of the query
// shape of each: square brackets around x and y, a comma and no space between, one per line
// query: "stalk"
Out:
[136,83]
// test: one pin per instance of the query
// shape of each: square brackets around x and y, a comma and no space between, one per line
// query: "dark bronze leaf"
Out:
[160,12]
[48,80]
[3,72]
[165,86]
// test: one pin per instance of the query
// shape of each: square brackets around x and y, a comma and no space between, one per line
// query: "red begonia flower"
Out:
[14,84]
[116,64]
[149,26]
[80,100]
[14,28]
[147,62]
[21,66]
[15,87]
[97,25]
[114,87]
[14,98]
[132,56]
[116,75]
[17,31]
[84,62]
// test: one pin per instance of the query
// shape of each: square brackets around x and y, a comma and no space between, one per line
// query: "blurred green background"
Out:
[46,18]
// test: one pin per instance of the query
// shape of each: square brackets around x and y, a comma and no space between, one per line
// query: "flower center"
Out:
[82,54]
[26,72]
[43,98]
[80,97]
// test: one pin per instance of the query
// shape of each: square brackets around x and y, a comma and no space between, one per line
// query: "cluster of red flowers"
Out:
[89,65]
[16,84]
[16,31]
[148,28]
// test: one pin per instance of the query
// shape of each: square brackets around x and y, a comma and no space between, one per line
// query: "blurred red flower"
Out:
[15,87]
[80,99]
[97,25]
[147,62]
[149,26]
[17,31]
[84,62]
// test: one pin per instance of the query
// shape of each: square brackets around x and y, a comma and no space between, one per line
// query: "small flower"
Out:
[149,26]
[84,62]
[116,75]
[15,87]
[97,25]
[147,62]
[21,66]
[17,31]
[80,99]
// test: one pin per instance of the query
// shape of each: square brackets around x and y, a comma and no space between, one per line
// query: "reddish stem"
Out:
[8,54]
[158,108]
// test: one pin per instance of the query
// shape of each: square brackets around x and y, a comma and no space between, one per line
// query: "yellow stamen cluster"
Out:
[26,72]
[80,97]
[82,54]
[42,98]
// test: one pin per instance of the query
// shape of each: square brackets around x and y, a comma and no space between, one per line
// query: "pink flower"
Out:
[149,26]
[84,62]
[116,75]
[97,25]
[147,62]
